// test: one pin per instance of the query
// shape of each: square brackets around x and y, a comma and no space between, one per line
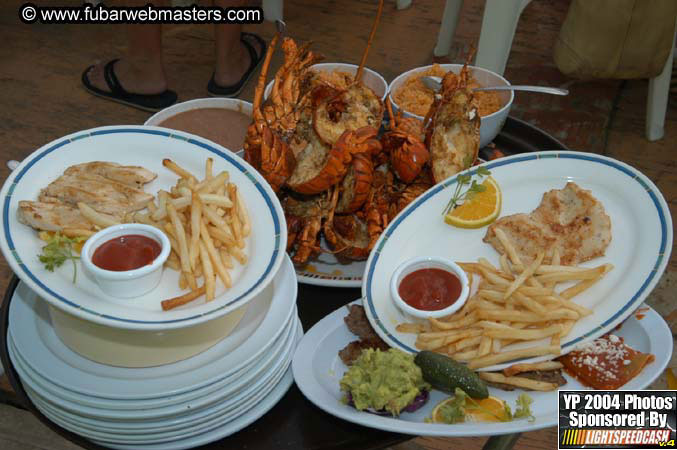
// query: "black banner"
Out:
[617,419]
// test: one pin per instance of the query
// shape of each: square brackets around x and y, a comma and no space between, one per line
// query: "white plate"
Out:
[145,146]
[176,413]
[639,250]
[318,370]
[257,311]
[221,430]
[192,423]
[255,314]
[40,347]
[326,270]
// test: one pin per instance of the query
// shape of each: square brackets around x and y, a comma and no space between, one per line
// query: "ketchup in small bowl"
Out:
[126,260]
[429,287]
[126,252]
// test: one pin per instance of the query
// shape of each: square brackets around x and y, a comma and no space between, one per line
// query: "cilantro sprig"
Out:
[466,187]
[58,250]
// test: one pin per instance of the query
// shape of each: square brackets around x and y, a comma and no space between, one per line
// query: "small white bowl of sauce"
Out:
[429,287]
[126,260]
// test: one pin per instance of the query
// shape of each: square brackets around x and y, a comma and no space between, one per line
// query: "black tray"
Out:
[295,423]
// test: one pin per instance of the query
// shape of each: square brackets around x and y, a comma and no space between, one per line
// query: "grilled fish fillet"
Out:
[135,176]
[52,216]
[570,220]
[100,193]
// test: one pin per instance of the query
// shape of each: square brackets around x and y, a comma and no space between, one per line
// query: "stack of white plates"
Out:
[180,405]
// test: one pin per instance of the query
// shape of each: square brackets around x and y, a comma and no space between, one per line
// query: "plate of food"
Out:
[344,368]
[222,222]
[580,241]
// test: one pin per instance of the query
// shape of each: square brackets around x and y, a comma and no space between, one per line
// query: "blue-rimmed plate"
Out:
[639,250]
[144,146]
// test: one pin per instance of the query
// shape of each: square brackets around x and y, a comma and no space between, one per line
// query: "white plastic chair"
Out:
[272,10]
[657,100]
[498,29]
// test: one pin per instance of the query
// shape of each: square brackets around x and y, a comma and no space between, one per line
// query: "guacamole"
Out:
[383,381]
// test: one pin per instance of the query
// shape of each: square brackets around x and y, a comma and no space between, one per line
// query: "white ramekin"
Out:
[428,262]
[128,283]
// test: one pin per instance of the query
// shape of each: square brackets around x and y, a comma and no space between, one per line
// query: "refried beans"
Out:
[226,127]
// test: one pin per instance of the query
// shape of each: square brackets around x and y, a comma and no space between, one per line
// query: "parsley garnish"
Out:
[466,187]
[523,410]
[454,410]
[59,248]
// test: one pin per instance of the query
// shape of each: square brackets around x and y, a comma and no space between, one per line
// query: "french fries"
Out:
[99,219]
[520,382]
[207,224]
[519,368]
[515,303]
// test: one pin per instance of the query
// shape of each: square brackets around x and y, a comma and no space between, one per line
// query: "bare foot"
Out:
[230,74]
[142,79]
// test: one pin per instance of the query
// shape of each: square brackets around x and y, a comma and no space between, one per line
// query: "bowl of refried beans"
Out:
[221,120]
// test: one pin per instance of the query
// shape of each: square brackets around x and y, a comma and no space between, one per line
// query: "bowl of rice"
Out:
[409,95]
[341,74]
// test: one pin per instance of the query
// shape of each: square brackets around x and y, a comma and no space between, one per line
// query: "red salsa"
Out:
[430,289]
[127,252]
[605,363]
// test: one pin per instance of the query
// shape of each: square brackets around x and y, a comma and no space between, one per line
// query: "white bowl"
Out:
[233,104]
[490,125]
[428,262]
[127,283]
[371,79]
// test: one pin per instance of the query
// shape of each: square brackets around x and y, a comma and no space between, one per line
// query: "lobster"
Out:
[320,168]
[356,184]
[290,92]
[407,152]
[304,223]
[355,107]
[347,235]
[453,127]
[265,149]
[402,194]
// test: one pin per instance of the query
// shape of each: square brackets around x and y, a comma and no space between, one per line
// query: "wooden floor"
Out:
[42,100]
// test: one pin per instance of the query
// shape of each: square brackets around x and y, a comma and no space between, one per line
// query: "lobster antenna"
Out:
[261,85]
[431,112]
[393,125]
[358,75]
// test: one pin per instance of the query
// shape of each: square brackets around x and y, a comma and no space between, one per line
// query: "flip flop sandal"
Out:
[146,102]
[214,90]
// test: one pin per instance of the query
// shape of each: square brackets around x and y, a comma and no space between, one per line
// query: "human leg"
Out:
[139,71]
[236,54]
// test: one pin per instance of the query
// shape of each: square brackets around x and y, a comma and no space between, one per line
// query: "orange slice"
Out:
[480,210]
[492,410]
